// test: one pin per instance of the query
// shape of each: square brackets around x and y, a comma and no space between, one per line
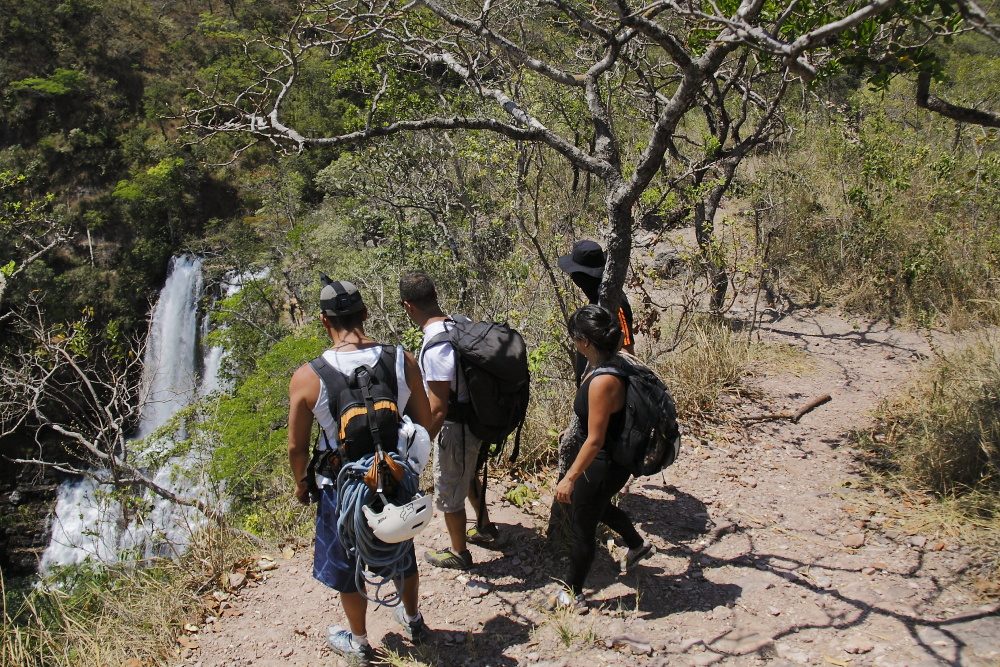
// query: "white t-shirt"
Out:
[439,363]
[346,361]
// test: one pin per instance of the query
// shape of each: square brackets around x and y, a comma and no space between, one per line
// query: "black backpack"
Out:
[363,405]
[494,367]
[650,438]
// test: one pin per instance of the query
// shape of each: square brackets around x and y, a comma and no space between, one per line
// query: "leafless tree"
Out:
[61,386]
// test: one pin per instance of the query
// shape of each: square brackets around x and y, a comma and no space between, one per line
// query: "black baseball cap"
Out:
[339,298]
[587,257]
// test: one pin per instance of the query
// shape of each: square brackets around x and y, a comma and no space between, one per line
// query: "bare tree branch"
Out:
[962,114]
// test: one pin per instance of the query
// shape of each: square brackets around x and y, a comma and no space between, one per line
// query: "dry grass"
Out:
[939,440]
[943,432]
[106,616]
[713,360]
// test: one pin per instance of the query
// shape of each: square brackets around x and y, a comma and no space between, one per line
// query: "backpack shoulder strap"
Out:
[617,371]
[385,368]
[334,381]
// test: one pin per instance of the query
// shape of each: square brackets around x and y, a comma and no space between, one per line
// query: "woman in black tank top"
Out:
[593,478]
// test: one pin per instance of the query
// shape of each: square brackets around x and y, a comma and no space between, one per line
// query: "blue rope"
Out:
[357,537]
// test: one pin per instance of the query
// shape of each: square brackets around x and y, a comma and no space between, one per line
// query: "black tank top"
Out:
[581,406]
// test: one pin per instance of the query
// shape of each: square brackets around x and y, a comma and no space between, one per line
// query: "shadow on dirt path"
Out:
[771,548]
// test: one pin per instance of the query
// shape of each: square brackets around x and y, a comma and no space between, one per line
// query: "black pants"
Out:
[591,504]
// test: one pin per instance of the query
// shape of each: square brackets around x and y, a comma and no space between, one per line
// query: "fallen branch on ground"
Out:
[794,416]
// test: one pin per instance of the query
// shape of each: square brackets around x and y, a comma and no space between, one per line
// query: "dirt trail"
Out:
[770,550]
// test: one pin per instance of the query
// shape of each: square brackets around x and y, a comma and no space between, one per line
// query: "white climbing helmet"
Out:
[398,523]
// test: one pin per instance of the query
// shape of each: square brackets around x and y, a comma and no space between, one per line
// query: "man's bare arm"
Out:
[418,407]
[303,391]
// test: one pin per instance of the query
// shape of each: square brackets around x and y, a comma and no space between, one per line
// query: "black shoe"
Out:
[416,631]
[633,556]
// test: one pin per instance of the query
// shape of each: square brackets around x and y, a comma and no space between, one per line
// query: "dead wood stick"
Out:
[794,416]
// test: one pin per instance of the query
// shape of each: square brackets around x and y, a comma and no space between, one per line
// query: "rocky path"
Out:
[771,549]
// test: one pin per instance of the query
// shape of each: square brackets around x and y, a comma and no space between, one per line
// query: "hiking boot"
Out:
[563,600]
[487,536]
[342,642]
[416,631]
[633,556]
[448,558]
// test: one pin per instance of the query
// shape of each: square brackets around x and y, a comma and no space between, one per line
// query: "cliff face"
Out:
[27,498]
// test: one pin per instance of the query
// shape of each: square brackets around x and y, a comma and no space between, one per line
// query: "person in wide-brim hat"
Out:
[585,266]
[587,258]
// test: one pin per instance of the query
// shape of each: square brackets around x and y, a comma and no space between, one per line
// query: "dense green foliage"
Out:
[857,198]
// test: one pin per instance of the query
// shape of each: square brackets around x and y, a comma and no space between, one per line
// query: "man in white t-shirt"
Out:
[456,449]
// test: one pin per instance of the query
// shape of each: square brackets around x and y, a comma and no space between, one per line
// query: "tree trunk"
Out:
[717,276]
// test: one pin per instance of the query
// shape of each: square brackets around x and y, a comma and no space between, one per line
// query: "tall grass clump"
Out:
[943,433]
[711,361]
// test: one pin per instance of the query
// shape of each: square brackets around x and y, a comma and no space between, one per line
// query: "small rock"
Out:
[868,571]
[287,652]
[854,541]
[220,596]
[917,541]
[477,589]
[637,645]
[288,553]
[690,644]
[774,611]
[722,612]
[723,528]
[236,580]
[938,546]
[265,565]
[741,642]
[532,657]
[858,645]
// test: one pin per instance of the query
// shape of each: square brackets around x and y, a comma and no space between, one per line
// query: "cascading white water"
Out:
[90,525]
[169,375]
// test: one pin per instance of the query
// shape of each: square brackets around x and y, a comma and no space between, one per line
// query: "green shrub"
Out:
[251,436]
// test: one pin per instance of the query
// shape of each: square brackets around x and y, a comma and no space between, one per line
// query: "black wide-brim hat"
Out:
[587,257]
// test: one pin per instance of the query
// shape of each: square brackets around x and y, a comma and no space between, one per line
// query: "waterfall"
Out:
[90,524]
[169,373]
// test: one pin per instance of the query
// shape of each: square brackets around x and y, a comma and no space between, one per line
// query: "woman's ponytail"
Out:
[597,325]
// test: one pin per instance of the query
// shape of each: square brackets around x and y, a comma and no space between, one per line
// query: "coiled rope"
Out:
[390,560]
